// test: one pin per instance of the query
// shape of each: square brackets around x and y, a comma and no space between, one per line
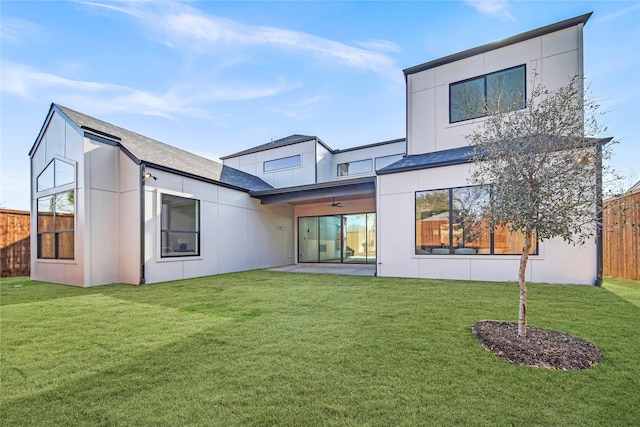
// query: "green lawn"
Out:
[267,348]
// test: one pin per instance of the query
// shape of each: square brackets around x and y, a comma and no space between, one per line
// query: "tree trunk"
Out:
[522,283]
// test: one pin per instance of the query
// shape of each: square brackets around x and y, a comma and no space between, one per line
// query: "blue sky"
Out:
[215,78]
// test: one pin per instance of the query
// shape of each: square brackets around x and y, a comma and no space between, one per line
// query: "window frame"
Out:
[485,101]
[54,231]
[450,249]
[280,159]
[176,253]
[355,173]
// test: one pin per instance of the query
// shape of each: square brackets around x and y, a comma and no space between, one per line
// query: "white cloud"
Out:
[15,30]
[179,100]
[189,28]
[492,8]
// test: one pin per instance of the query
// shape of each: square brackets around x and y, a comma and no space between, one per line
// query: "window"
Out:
[55,229]
[385,161]
[180,226]
[56,174]
[283,163]
[500,91]
[453,221]
[353,168]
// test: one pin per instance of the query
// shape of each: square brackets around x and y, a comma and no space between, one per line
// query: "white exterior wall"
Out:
[101,223]
[236,232]
[128,220]
[553,58]
[64,141]
[253,164]
[556,262]
[371,152]
[324,164]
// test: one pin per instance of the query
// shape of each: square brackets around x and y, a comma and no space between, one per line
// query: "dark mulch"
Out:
[541,347]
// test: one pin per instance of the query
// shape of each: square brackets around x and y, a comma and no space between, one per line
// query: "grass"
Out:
[267,348]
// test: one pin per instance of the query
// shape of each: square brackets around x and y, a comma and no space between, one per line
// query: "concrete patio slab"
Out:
[344,269]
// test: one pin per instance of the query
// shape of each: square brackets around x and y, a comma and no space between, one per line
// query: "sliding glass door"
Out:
[337,238]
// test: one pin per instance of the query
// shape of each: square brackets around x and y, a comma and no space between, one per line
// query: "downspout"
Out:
[142,223]
[599,233]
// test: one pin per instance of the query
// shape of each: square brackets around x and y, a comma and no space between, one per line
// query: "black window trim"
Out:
[197,232]
[484,77]
[491,231]
[264,163]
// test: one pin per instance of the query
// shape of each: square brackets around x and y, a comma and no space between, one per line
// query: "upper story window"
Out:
[56,174]
[353,168]
[385,161]
[283,163]
[179,226]
[499,91]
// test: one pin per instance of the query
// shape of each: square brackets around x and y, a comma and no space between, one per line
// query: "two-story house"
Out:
[110,205]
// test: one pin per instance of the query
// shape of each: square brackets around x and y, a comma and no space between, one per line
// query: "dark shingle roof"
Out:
[155,153]
[454,156]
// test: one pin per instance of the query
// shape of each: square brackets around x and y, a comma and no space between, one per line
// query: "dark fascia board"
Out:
[375,144]
[350,187]
[265,148]
[582,19]
[53,108]
[192,176]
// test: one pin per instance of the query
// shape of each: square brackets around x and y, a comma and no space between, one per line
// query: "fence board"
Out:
[621,236]
[15,246]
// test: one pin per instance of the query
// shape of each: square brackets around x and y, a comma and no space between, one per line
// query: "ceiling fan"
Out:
[336,204]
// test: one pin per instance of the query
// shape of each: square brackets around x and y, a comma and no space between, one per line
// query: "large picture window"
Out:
[453,221]
[56,223]
[180,226]
[500,91]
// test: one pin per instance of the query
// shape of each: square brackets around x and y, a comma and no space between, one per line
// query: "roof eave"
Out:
[582,19]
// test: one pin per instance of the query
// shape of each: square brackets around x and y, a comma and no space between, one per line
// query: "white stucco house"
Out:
[112,206]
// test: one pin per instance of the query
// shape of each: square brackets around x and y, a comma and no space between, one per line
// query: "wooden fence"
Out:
[15,249]
[621,236]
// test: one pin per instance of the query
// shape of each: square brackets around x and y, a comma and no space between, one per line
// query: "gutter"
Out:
[599,233]
[142,224]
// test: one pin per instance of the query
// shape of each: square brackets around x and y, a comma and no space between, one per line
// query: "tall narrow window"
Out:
[180,226]
[55,229]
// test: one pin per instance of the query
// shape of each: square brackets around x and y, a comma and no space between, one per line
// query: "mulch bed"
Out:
[541,348]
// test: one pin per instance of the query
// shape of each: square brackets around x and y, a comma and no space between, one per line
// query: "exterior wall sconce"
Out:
[147,176]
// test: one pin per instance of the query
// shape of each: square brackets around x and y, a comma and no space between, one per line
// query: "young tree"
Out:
[543,168]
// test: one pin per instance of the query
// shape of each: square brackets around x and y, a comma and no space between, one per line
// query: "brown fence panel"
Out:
[15,246]
[621,236]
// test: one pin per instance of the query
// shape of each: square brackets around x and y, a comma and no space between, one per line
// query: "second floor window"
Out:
[283,163]
[353,168]
[500,91]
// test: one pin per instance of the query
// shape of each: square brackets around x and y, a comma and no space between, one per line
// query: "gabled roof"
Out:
[582,19]
[288,140]
[162,156]
[454,156]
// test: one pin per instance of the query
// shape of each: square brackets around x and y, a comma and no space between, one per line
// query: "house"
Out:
[112,206]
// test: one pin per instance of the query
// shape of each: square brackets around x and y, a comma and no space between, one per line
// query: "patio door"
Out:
[337,238]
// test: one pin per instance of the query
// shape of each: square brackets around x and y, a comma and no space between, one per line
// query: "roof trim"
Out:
[375,144]
[265,147]
[192,176]
[350,187]
[582,19]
